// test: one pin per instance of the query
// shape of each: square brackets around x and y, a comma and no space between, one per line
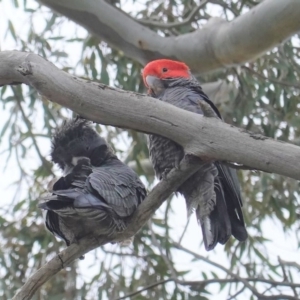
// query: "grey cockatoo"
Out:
[97,192]
[213,192]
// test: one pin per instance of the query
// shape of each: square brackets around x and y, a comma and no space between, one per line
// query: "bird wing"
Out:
[233,198]
[227,176]
[189,95]
[53,225]
[113,187]
[164,154]
[118,186]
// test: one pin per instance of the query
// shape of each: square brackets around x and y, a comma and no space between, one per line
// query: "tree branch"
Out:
[244,281]
[143,213]
[284,83]
[218,44]
[201,284]
[148,287]
[44,162]
[171,25]
[200,136]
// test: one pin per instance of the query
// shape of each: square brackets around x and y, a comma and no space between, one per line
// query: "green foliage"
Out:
[267,102]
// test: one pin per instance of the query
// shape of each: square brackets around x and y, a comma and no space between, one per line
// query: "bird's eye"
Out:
[164,70]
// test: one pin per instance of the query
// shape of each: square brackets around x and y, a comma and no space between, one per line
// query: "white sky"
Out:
[282,245]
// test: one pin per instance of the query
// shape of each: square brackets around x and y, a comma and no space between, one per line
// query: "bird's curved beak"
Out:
[151,81]
[154,83]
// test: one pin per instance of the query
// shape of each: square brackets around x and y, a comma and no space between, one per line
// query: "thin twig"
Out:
[184,230]
[203,283]
[285,276]
[148,287]
[290,264]
[233,297]
[240,279]
[125,254]
[172,25]
[164,256]
[30,133]
[284,83]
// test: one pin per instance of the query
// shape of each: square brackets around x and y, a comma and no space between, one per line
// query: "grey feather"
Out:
[213,191]
[98,192]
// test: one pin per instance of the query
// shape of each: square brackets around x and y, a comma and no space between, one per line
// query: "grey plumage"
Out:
[213,192]
[97,193]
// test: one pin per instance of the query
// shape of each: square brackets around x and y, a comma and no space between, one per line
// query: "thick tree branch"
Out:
[218,44]
[144,212]
[205,137]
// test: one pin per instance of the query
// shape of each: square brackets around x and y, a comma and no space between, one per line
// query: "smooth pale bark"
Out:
[205,137]
[216,45]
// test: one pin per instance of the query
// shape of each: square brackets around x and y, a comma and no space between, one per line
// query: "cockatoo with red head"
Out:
[213,192]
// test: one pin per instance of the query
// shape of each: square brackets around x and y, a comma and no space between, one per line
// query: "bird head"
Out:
[159,70]
[77,139]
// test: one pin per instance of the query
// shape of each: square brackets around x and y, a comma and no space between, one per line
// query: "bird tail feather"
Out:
[215,226]
[204,194]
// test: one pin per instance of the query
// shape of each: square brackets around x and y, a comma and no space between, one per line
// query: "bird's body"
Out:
[213,191]
[98,192]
